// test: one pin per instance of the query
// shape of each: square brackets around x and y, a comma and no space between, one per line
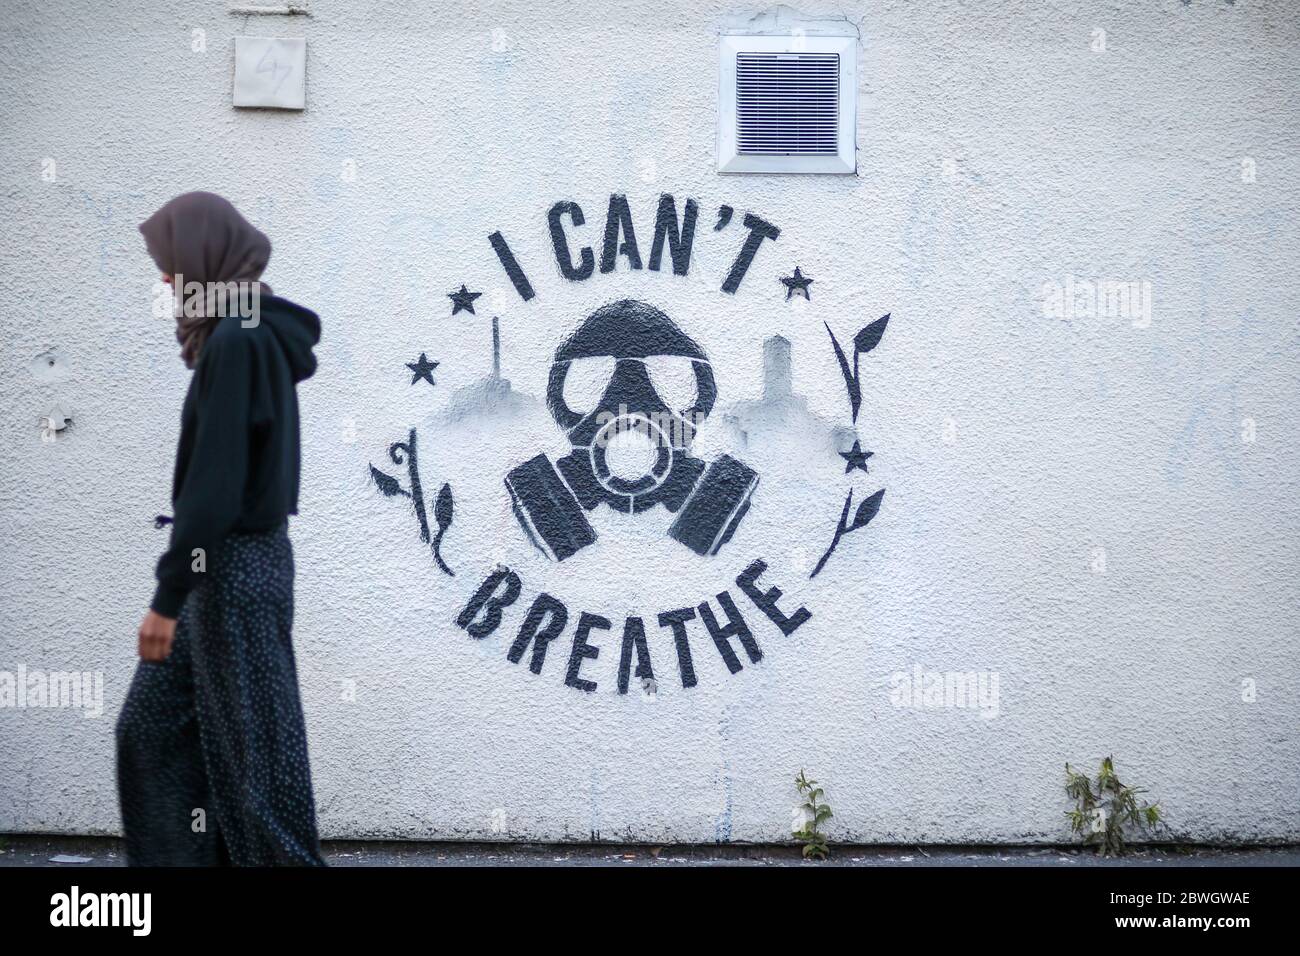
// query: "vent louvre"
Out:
[787,104]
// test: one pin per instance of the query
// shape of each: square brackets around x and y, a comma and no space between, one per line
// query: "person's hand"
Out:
[156,635]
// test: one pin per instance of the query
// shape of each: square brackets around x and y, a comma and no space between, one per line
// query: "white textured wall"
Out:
[1064,436]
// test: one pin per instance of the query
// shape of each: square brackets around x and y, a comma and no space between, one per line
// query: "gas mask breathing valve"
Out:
[632,451]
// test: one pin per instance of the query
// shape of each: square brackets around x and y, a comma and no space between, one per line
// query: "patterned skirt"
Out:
[211,748]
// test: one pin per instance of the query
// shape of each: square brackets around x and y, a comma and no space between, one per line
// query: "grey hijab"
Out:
[200,237]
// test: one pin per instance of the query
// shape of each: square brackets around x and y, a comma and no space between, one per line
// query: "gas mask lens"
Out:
[586,382]
[673,377]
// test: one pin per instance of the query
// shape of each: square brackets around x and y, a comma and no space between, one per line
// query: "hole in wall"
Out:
[50,366]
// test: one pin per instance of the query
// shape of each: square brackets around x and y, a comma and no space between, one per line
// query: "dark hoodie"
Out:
[238,459]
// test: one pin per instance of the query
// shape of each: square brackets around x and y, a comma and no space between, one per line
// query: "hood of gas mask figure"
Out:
[628,329]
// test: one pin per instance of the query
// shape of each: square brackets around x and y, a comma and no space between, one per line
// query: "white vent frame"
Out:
[731,160]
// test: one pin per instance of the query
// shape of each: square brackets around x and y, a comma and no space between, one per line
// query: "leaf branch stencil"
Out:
[387,484]
[442,513]
[866,511]
[405,453]
[867,339]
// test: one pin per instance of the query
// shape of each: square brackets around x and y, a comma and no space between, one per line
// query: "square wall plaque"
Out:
[271,72]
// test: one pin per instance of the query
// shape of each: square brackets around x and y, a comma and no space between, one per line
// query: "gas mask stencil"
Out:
[632,451]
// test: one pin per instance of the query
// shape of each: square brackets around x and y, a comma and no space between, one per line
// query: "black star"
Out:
[423,369]
[797,283]
[464,299]
[856,457]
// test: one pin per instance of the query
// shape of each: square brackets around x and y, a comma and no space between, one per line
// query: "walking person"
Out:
[211,747]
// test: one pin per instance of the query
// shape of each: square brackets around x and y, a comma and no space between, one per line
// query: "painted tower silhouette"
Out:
[780,415]
[489,395]
[778,383]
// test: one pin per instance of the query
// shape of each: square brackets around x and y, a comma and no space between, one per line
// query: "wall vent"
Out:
[787,104]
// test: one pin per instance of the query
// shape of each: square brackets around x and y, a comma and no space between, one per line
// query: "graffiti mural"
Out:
[631,453]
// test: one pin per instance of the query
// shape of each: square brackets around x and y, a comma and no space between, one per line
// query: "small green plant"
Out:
[1104,812]
[810,834]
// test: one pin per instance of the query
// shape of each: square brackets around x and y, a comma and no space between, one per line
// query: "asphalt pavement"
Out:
[76,851]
